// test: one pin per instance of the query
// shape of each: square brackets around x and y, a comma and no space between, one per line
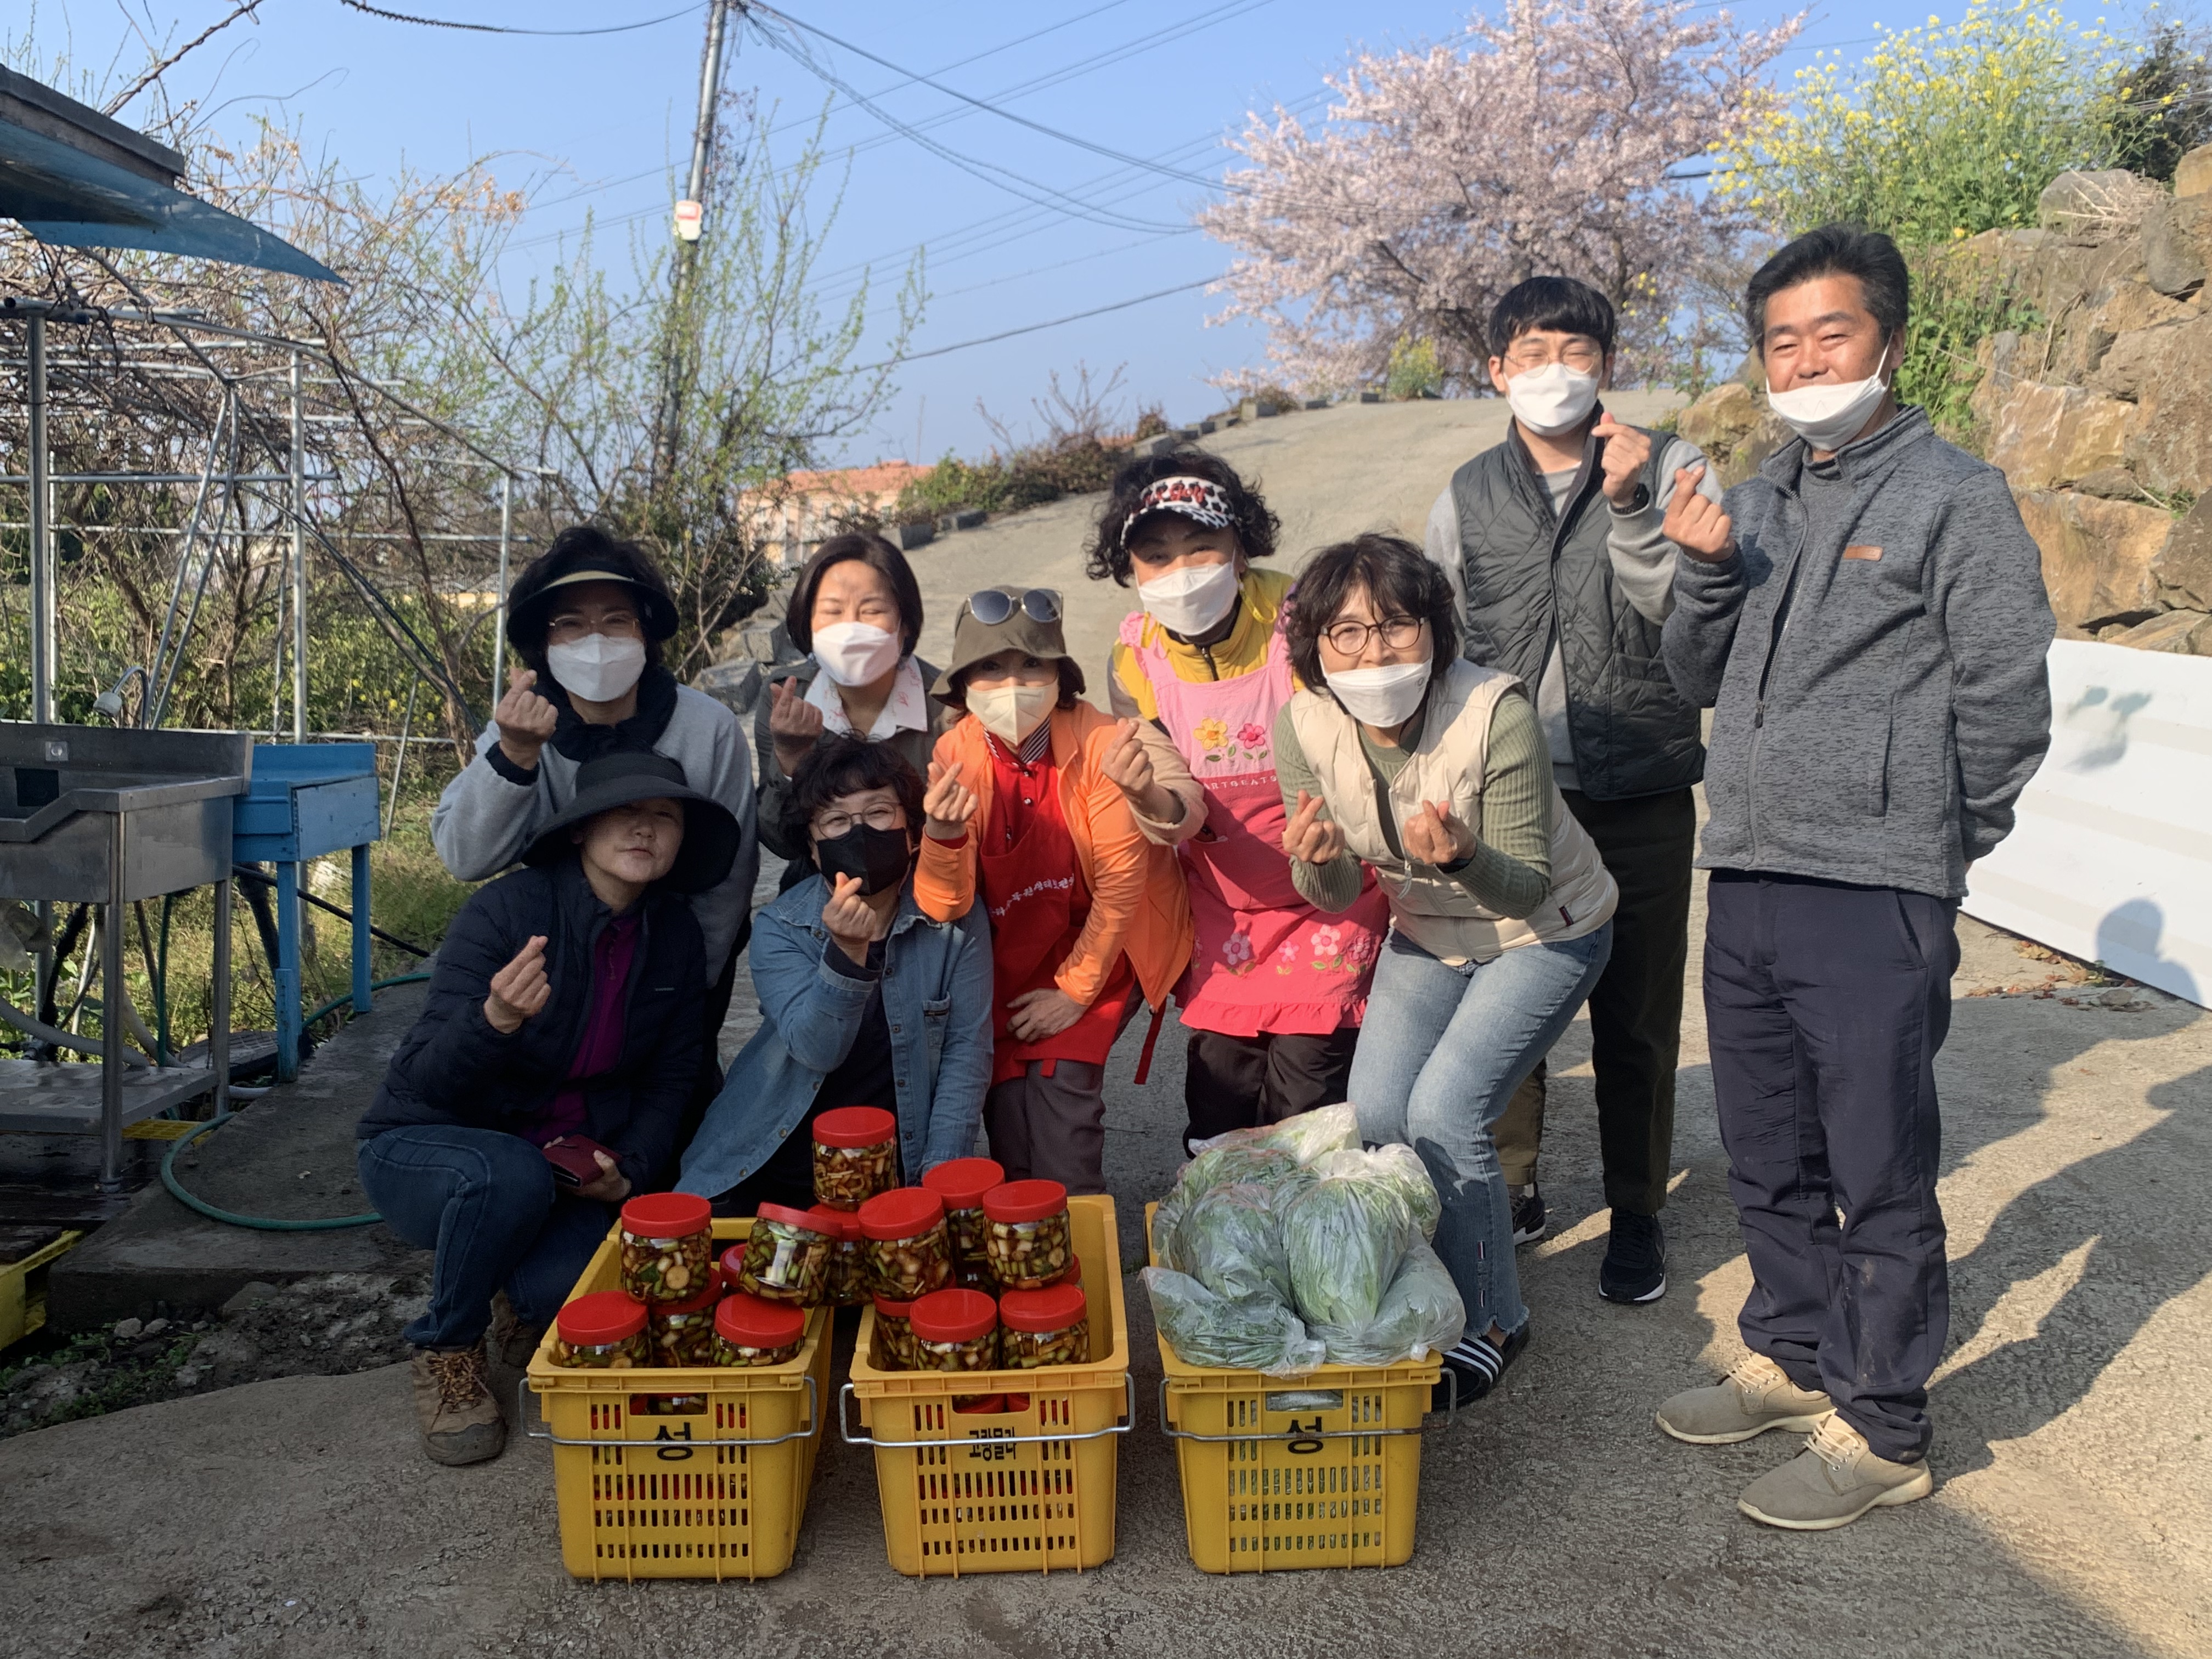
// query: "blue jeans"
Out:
[1441,1053]
[484,1201]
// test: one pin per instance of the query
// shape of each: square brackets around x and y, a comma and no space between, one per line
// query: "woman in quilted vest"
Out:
[1400,757]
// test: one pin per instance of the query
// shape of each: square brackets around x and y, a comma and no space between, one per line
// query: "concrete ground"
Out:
[296,1517]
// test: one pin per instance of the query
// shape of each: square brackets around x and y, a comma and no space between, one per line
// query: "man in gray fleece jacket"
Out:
[1866,618]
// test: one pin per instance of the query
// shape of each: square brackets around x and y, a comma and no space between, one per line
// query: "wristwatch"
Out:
[1639,501]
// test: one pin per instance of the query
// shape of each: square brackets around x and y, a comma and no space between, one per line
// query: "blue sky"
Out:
[598,123]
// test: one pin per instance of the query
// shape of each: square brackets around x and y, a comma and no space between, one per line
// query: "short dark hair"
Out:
[844,766]
[1071,684]
[1834,250]
[1550,302]
[583,547]
[880,556]
[1255,527]
[1395,573]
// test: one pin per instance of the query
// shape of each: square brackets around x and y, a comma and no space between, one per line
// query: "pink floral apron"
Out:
[1264,960]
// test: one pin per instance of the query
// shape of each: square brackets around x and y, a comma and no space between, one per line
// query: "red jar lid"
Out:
[890,1310]
[732,1262]
[666,1215]
[751,1322]
[706,1298]
[902,1212]
[1025,1200]
[838,1223]
[1073,1276]
[790,1218]
[965,1181]
[601,1319]
[954,1315]
[1053,1310]
[855,1126]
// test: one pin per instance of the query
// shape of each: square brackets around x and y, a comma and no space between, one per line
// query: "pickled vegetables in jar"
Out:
[956,1331]
[1027,1233]
[909,1253]
[894,1335]
[855,1155]
[750,1331]
[785,1257]
[602,1331]
[1044,1328]
[963,1183]
[667,1246]
[683,1332]
[848,1256]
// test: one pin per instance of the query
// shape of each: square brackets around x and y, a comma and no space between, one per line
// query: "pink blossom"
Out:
[1252,734]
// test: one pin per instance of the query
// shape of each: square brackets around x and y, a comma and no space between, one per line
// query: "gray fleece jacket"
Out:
[490,812]
[1873,654]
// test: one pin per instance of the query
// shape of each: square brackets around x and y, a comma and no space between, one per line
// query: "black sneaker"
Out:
[1474,1365]
[1529,1218]
[1635,1265]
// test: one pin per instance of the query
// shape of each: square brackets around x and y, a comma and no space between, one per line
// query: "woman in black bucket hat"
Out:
[544,1080]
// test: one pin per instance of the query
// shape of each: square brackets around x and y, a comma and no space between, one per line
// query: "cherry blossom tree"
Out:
[1565,139]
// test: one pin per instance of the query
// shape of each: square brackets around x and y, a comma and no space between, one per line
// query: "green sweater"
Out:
[1509,870]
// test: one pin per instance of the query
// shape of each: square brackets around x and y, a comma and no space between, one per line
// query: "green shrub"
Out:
[1414,370]
[1957,303]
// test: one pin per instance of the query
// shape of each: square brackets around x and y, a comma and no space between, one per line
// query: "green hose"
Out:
[265,1223]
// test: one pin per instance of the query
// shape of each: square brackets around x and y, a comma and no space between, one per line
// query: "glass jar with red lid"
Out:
[785,1257]
[1044,1328]
[750,1331]
[956,1331]
[667,1246]
[683,1332]
[855,1155]
[909,1253]
[848,1256]
[961,1183]
[1027,1233]
[894,1350]
[602,1331]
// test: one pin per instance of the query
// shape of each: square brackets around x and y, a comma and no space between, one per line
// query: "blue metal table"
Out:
[306,800]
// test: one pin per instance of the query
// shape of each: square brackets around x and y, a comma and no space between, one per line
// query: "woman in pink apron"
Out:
[1276,989]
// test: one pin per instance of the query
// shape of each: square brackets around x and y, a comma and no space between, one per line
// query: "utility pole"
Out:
[687,245]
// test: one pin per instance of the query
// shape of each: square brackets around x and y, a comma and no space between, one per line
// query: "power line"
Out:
[1033,328]
[498,28]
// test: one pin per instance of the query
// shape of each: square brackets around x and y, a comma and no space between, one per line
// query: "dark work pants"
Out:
[1636,1012]
[1824,1006]
[1242,1082]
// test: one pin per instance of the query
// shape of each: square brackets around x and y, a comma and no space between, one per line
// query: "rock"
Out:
[2124,996]
[911,536]
[2193,177]
[2076,204]
[2170,368]
[2183,569]
[2098,554]
[155,1327]
[1721,419]
[2044,436]
[2113,483]
[248,1298]
[1314,403]
[2175,237]
[736,685]
[2183,633]
[125,1329]
[2086,331]
[1259,409]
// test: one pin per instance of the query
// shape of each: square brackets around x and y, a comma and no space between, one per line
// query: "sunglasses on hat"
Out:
[993,605]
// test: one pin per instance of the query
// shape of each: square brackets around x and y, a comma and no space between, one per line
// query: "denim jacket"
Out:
[937,1000]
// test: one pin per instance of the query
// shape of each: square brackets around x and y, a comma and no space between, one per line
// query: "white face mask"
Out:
[1551,400]
[598,668]
[1829,414]
[1380,697]
[1193,599]
[855,652]
[1010,711]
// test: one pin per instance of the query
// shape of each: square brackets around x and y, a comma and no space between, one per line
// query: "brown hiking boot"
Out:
[513,1344]
[453,1405]
[1756,1396]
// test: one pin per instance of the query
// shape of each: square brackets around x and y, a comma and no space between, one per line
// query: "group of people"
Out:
[1380,832]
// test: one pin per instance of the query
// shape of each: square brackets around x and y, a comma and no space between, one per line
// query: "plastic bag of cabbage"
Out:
[1252,1333]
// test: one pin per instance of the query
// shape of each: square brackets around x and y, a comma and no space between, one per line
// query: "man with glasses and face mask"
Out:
[1552,543]
[587,618]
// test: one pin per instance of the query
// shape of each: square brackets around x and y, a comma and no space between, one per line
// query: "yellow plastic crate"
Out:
[1028,1490]
[716,1490]
[1323,1470]
[23,1288]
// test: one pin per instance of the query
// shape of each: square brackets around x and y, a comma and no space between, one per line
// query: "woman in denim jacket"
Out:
[865,1000]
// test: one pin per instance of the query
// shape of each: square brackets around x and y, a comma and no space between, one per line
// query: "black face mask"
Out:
[880,858]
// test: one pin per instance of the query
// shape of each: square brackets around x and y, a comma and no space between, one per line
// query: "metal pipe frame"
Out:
[298,500]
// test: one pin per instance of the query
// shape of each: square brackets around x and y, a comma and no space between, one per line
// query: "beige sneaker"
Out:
[1756,1396]
[1834,1482]
[454,1406]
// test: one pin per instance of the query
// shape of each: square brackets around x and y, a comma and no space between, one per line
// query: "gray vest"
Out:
[1527,572]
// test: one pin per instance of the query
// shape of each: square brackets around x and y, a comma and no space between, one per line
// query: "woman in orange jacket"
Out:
[1085,912]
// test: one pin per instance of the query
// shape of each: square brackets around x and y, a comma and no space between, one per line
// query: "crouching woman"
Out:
[1401,757]
[865,1000]
[563,1017]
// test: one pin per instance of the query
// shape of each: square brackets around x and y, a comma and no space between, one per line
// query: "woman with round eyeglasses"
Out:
[1401,757]
[1027,823]
[865,999]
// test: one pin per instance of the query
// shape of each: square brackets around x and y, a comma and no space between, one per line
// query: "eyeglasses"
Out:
[1349,639]
[567,630]
[993,605]
[882,816]
[1583,356]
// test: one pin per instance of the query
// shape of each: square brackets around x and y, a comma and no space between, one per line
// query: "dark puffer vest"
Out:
[1526,572]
